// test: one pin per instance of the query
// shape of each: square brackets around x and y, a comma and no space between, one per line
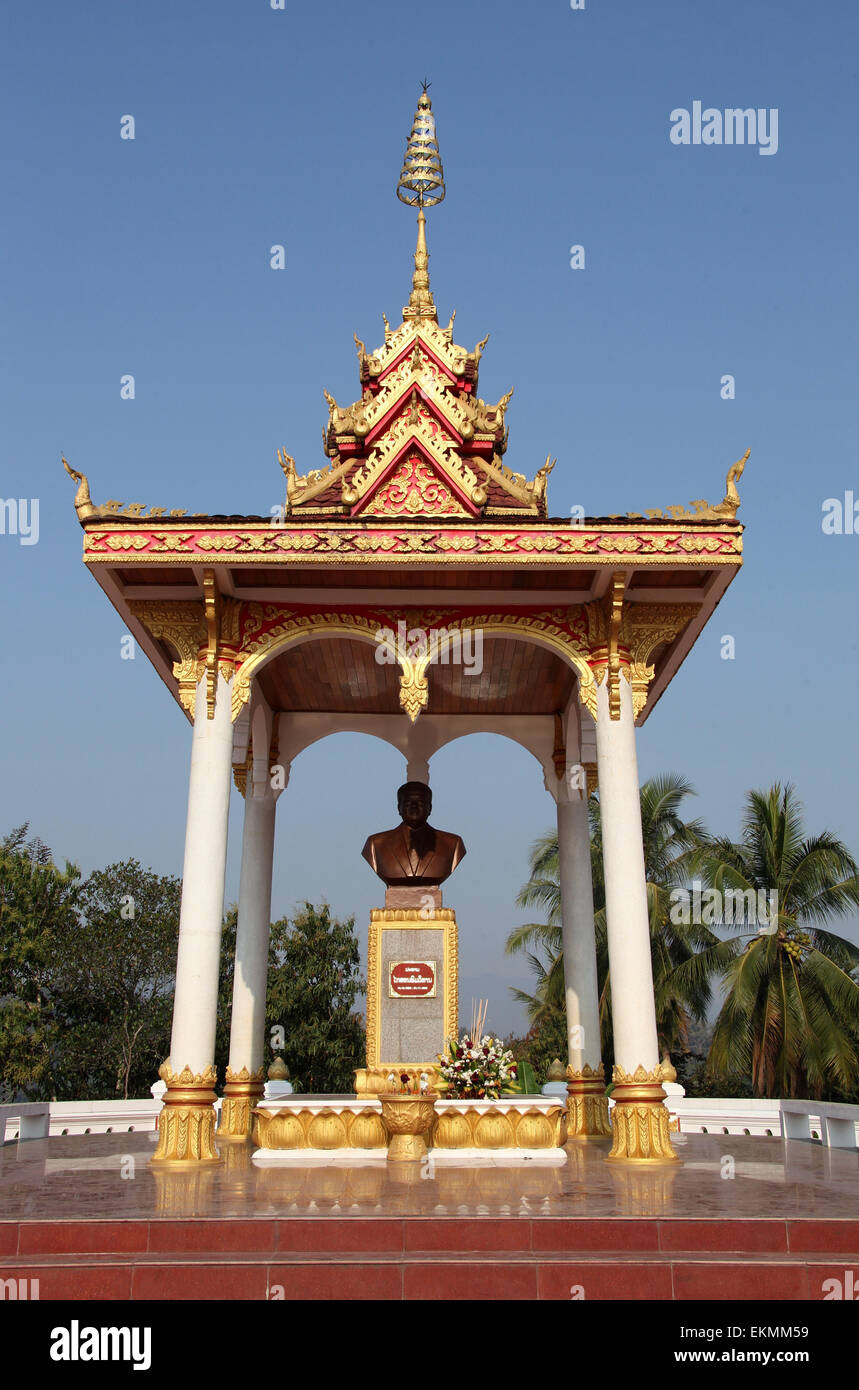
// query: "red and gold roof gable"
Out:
[419,441]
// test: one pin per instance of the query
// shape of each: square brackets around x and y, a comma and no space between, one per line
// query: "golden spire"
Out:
[421,185]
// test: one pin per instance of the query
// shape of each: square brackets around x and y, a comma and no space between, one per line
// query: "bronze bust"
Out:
[414,853]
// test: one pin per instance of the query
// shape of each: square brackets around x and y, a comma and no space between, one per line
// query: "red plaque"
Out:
[412,978]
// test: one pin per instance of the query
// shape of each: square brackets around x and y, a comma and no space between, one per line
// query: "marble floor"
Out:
[723,1178]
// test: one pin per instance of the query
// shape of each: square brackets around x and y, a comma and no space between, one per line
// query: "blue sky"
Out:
[256,127]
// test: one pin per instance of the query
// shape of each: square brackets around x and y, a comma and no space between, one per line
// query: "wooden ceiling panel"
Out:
[336,675]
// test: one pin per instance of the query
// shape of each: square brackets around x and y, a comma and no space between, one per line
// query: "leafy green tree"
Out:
[313,985]
[38,904]
[112,979]
[544,1041]
[225,989]
[790,1018]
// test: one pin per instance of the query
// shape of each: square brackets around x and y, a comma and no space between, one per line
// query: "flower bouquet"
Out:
[478,1068]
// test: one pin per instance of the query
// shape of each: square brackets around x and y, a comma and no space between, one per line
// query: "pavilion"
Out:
[267,633]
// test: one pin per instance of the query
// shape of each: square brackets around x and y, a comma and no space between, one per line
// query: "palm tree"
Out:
[543,890]
[790,1018]
[668,840]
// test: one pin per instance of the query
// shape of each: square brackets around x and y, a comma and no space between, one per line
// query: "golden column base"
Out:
[587,1103]
[639,1118]
[186,1124]
[242,1091]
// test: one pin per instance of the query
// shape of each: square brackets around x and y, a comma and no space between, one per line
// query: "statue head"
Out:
[414,803]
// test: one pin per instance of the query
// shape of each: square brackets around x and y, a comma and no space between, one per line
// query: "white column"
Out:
[632,1006]
[247,1023]
[196,999]
[577,921]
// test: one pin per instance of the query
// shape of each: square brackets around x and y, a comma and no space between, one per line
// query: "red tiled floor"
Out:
[76,1281]
[753,1236]
[617,1234]
[8,1237]
[254,1237]
[490,1280]
[615,1280]
[824,1236]
[200,1281]
[336,1281]
[360,1235]
[466,1236]
[755,1281]
[82,1237]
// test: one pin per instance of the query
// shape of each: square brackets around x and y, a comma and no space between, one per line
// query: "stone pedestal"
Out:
[412,995]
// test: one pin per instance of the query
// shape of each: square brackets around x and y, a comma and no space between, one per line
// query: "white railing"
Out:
[835,1125]
[837,1122]
[724,1115]
[79,1117]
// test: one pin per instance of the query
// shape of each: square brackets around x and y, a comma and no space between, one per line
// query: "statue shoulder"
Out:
[453,841]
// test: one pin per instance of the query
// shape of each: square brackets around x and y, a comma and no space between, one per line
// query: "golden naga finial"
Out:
[421,185]
[726,510]
[287,463]
[732,497]
[83,502]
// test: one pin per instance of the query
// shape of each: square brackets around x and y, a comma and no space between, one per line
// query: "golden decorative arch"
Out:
[553,629]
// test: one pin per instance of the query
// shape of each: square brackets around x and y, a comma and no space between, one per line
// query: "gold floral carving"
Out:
[186,1123]
[182,624]
[647,626]
[407,1119]
[328,542]
[415,489]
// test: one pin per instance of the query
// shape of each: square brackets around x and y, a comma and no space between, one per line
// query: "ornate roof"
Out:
[419,444]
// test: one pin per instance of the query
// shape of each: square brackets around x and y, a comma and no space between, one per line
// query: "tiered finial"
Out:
[421,185]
